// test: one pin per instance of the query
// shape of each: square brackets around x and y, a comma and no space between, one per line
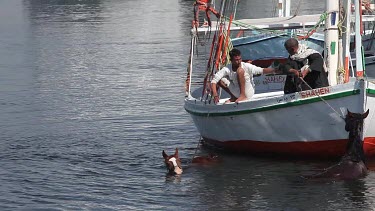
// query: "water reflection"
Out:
[169,178]
[356,191]
[65,10]
[253,183]
[83,78]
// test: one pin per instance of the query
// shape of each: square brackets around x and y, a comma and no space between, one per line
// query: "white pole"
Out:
[331,40]
[346,38]
[358,39]
[287,8]
[284,8]
[358,54]
[193,42]
[280,6]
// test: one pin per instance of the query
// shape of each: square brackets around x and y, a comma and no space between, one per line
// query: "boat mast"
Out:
[331,40]
[346,38]
[359,58]
[358,38]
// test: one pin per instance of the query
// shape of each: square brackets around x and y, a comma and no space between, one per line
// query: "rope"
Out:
[323,100]
[247,26]
[221,43]
[322,18]
[298,7]
[199,141]
[196,149]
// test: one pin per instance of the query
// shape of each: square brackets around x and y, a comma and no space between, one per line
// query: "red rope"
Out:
[308,35]
[208,65]
[220,44]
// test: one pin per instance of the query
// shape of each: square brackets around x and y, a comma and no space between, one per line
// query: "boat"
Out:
[302,124]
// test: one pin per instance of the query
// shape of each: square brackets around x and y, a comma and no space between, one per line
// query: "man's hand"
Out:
[216,99]
[214,93]
[295,72]
[304,72]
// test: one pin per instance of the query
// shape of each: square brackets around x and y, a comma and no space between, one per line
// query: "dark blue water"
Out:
[92,91]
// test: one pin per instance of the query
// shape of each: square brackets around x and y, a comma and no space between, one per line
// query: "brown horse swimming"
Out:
[173,162]
[353,164]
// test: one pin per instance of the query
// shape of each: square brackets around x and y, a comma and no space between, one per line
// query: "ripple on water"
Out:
[92,92]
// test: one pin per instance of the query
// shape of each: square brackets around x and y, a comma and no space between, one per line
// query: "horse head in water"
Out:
[173,163]
[354,147]
[352,165]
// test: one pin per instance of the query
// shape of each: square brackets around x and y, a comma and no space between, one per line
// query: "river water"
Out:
[92,91]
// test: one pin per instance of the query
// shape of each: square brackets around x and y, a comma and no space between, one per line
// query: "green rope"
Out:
[247,26]
[322,18]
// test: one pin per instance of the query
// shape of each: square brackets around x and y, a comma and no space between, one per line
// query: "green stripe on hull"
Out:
[370,91]
[285,105]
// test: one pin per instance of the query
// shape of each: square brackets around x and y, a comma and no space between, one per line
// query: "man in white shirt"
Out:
[237,78]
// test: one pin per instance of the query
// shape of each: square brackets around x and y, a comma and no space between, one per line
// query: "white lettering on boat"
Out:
[269,82]
[315,92]
[274,79]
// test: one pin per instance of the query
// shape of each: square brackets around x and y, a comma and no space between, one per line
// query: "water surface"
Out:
[92,91]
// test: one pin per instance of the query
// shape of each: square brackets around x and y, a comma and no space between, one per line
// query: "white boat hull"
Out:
[299,124]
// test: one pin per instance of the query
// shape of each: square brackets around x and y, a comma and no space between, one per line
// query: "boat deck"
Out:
[257,97]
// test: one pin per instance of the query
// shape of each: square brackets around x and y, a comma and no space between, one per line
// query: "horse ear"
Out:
[348,113]
[165,155]
[366,114]
[176,153]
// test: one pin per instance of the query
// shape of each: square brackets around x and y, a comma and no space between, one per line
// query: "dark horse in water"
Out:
[353,164]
